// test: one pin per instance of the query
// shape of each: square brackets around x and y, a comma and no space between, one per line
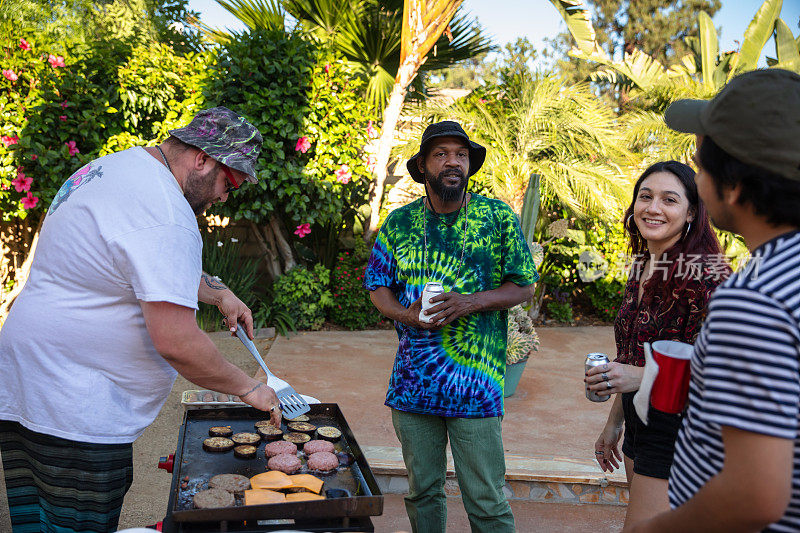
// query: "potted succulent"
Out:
[522,342]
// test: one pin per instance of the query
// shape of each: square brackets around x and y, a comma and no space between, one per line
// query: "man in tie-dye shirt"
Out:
[447,379]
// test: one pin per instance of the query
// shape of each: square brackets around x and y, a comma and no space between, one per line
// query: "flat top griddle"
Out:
[352,490]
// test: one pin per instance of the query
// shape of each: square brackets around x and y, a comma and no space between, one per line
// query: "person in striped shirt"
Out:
[737,458]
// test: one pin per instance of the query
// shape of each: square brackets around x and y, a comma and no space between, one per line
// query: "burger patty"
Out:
[278,447]
[323,461]
[233,483]
[314,446]
[211,498]
[285,462]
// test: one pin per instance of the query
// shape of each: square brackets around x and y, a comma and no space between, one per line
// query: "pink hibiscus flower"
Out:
[343,174]
[72,148]
[303,230]
[64,104]
[34,157]
[370,161]
[10,75]
[9,140]
[22,183]
[303,144]
[24,45]
[30,201]
[62,118]
[371,132]
[56,61]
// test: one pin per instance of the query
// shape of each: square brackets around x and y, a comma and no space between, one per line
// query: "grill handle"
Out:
[167,463]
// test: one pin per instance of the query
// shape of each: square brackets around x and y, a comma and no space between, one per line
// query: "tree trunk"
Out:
[20,276]
[391,116]
[283,245]
[270,250]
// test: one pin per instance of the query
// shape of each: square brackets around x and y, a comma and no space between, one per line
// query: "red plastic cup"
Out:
[671,387]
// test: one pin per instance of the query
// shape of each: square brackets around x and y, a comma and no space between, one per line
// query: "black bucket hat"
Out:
[446,128]
[226,137]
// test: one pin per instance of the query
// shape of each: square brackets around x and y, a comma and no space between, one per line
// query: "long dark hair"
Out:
[700,239]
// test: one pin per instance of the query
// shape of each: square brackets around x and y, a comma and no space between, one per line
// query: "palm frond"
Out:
[256,14]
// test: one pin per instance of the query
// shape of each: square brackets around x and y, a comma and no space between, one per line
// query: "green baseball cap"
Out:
[226,137]
[754,118]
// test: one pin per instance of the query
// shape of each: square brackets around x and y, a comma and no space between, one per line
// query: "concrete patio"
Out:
[549,429]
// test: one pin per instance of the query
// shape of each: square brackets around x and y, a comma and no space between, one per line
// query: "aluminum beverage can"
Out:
[593,360]
[432,288]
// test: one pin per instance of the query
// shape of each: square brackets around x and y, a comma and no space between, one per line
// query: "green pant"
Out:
[477,446]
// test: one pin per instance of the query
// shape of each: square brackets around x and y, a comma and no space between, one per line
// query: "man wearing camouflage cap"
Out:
[106,321]
[736,464]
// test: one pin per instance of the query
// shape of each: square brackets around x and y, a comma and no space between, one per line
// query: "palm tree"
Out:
[391,41]
[700,74]
[565,135]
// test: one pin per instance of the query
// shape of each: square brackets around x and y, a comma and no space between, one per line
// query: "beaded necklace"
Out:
[425,235]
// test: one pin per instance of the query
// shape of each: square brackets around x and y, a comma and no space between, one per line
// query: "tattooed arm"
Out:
[212,291]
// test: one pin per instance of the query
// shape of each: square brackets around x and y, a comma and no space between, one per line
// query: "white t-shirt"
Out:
[76,360]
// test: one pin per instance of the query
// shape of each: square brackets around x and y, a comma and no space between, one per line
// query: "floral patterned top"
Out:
[678,318]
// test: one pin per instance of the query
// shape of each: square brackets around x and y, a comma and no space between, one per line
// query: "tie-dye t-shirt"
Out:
[456,371]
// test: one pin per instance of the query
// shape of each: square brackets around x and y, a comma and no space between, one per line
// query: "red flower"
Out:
[56,61]
[22,183]
[34,157]
[24,45]
[10,75]
[64,104]
[72,148]
[62,118]
[327,69]
[30,201]
[8,141]
[303,230]
[343,174]
[303,144]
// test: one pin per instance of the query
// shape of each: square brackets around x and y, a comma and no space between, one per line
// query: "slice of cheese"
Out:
[273,480]
[262,496]
[306,481]
[303,496]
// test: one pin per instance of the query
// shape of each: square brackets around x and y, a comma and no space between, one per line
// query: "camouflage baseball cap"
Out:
[226,137]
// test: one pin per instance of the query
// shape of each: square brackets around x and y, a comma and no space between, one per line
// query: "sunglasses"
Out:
[231,180]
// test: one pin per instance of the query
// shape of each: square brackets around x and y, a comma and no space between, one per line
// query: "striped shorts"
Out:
[63,486]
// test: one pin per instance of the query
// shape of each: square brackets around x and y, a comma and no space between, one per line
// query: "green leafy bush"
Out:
[606,297]
[352,307]
[267,315]
[221,258]
[304,295]
[265,76]
[559,308]
[61,110]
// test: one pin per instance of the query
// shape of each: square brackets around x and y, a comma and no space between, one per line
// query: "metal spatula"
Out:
[292,404]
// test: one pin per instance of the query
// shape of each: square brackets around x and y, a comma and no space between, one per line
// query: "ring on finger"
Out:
[608,385]
[599,453]
[604,376]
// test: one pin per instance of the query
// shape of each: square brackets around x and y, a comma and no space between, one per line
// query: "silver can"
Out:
[432,288]
[593,360]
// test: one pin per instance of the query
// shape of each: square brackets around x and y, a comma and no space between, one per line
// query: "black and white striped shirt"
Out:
[746,371]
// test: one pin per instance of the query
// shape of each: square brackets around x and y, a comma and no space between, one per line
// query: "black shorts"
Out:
[650,447]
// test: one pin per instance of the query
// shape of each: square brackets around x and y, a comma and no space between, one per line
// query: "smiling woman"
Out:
[677,265]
